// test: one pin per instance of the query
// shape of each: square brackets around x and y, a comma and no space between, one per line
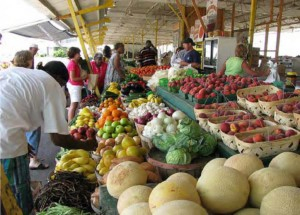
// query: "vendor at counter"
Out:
[191,56]
[238,65]
[31,99]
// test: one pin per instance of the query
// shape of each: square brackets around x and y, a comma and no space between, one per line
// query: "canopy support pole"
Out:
[268,28]
[75,21]
[252,26]
[156,32]
[232,20]
[199,15]
[279,30]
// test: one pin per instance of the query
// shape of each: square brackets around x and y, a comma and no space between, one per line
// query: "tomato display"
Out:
[147,70]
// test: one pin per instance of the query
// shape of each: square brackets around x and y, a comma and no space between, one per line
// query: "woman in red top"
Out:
[75,82]
[99,67]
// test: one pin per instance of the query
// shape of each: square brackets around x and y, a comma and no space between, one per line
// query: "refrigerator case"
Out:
[216,51]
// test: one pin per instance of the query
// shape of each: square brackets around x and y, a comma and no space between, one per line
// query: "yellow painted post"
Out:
[133,46]
[232,20]
[156,32]
[252,26]
[71,8]
[279,23]
[86,32]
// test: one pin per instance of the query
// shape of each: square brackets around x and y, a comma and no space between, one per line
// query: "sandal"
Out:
[41,166]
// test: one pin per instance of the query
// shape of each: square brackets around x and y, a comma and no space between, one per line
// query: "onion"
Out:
[161,115]
[172,128]
[141,120]
[157,121]
[170,111]
[168,120]
[178,115]
[147,116]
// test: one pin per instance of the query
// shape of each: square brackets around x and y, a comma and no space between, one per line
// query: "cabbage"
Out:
[208,145]
[178,156]
[190,145]
[164,142]
[190,128]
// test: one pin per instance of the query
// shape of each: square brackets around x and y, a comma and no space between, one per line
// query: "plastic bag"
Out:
[273,76]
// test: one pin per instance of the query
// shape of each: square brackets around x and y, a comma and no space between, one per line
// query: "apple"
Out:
[128,128]
[108,123]
[82,130]
[115,124]
[114,135]
[100,132]
[109,129]
[119,129]
[124,121]
[73,131]
[106,136]
[77,136]
[90,132]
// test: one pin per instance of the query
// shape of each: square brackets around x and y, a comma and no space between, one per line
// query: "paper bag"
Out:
[93,81]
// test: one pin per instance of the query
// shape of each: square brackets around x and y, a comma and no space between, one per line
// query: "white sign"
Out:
[211,13]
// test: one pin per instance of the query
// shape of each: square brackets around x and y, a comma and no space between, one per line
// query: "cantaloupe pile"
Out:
[240,185]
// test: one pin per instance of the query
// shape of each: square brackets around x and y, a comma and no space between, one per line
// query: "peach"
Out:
[203,115]
[271,138]
[290,132]
[279,131]
[234,127]
[248,140]
[225,127]
[250,128]
[287,108]
[259,123]
[258,138]
[243,124]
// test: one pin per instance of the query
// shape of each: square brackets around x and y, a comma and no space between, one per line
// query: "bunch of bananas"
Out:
[85,117]
[78,161]
[154,99]
[137,102]
[113,87]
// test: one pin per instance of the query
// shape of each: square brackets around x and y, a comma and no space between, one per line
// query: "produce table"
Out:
[174,101]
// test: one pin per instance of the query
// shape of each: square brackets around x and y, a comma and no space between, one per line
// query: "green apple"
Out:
[115,124]
[109,129]
[108,123]
[128,128]
[119,129]
[114,135]
[100,132]
[124,121]
[106,136]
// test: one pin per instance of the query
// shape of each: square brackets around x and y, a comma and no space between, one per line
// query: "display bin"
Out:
[232,97]
[207,100]
[297,117]
[183,95]
[283,118]
[157,159]
[173,89]
[191,98]
[267,148]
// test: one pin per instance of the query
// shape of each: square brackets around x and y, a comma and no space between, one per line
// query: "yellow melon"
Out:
[180,207]
[211,165]
[289,162]
[169,191]
[265,180]
[224,190]
[282,200]
[141,208]
[123,176]
[248,211]
[183,178]
[246,164]
[133,195]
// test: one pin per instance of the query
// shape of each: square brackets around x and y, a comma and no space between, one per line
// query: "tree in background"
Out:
[60,52]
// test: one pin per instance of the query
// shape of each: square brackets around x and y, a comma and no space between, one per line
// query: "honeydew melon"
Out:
[183,178]
[141,208]
[180,207]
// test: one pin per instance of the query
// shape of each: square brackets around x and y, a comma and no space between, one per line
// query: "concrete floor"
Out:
[47,152]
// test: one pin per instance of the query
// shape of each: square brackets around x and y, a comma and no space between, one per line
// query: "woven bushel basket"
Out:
[267,148]
[286,119]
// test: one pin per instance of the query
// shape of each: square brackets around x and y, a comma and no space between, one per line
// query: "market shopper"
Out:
[116,69]
[238,65]
[191,56]
[75,82]
[32,99]
[107,52]
[148,54]
[24,59]
[33,48]
[99,67]
[178,56]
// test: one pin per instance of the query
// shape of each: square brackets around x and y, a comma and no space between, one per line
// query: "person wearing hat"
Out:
[99,67]
[148,55]
[191,57]
[33,48]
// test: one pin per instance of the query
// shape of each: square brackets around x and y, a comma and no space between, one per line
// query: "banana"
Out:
[67,164]
[92,163]
[90,168]
[67,157]
[79,170]
[91,177]
[82,153]
[73,166]
[81,160]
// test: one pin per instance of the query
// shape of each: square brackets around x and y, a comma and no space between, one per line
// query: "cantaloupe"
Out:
[123,176]
[180,207]
[248,211]
[171,190]
[133,195]
[290,162]
[211,165]
[282,200]
[183,178]
[265,180]
[224,190]
[141,208]
[246,164]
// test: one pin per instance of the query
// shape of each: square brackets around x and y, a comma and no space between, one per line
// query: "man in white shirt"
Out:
[30,99]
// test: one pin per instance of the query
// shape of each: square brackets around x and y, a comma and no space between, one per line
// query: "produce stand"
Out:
[176,102]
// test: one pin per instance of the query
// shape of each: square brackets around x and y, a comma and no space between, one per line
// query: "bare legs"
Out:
[72,110]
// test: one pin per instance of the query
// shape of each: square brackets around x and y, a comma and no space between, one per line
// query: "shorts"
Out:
[75,92]
[17,172]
